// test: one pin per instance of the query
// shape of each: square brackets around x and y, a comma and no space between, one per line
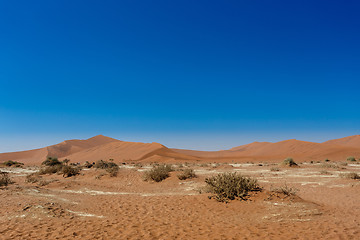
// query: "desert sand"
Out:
[94,205]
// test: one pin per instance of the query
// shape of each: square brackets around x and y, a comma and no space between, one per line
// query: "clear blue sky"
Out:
[189,74]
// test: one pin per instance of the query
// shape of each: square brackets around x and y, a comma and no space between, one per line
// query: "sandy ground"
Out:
[94,205]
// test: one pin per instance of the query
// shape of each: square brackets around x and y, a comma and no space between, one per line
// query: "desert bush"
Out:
[113,171]
[289,162]
[50,169]
[275,169]
[327,160]
[351,175]
[288,191]
[105,164]
[5,179]
[230,186]
[186,173]
[157,173]
[351,159]
[51,161]
[33,177]
[69,171]
[11,163]
[204,165]
[88,165]
[324,172]
[329,165]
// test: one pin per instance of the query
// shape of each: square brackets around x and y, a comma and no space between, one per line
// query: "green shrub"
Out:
[51,161]
[351,159]
[157,173]
[186,173]
[13,163]
[289,162]
[5,179]
[230,186]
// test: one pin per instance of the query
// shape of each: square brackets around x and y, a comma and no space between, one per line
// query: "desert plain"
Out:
[315,199]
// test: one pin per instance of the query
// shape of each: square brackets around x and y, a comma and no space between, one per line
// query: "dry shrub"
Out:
[33,177]
[69,171]
[105,164]
[50,169]
[158,173]
[351,159]
[275,169]
[88,165]
[13,163]
[230,186]
[324,172]
[5,179]
[329,165]
[351,175]
[51,161]
[113,171]
[288,191]
[186,173]
[289,162]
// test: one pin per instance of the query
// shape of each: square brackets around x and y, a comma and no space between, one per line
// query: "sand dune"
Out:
[60,150]
[125,151]
[301,150]
[101,147]
[352,141]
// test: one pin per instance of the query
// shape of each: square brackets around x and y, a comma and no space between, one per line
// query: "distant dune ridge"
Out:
[102,147]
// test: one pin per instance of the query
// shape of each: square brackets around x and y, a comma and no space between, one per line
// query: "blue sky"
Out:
[203,75]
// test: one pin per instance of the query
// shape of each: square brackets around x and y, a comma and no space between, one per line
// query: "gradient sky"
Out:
[203,75]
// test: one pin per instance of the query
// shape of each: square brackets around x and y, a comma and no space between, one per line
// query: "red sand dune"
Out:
[352,141]
[101,147]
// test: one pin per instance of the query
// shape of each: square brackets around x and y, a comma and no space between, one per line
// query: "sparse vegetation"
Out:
[4,179]
[51,161]
[11,163]
[288,191]
[351,175]
[50,169]
[289,162]
[186,174]
[327,160]
[158,173]
[33,178]
[351,159]
[230,186]
[105,164]
[275,169]
[324,172]
[329,165]
[88,165]
[69,171]
[111,167]
[53,165]
[113,171]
